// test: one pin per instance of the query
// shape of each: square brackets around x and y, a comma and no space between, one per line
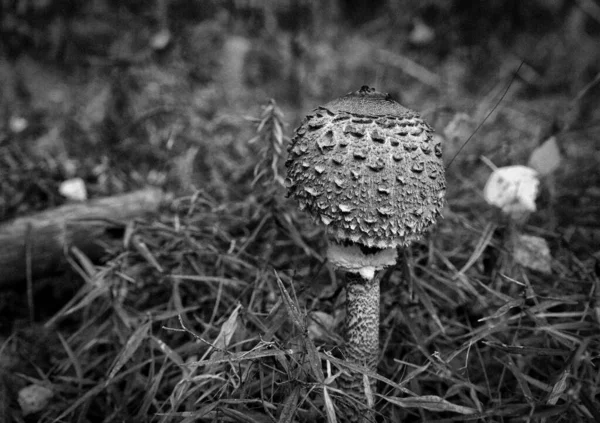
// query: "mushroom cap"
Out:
[367,168]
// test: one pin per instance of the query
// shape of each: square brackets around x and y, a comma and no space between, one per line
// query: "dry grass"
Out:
[204,315]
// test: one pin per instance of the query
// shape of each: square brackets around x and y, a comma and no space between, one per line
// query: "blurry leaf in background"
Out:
[533,252]
[546,158]
[513,189]
[422,34]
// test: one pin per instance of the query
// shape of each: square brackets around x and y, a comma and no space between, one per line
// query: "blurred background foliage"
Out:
[119,93]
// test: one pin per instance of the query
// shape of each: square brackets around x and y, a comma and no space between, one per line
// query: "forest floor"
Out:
[185,318]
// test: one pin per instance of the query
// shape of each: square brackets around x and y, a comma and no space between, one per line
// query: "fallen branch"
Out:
[36,244]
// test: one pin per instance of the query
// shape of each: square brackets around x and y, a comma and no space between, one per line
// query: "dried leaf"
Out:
[34,398]
[546,158]
[533,252]
[558,389]
[227,330]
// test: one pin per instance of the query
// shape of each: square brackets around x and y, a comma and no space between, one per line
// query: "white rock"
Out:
[17,124]
[73,189]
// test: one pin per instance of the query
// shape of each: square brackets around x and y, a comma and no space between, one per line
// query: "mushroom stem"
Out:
[362,319]
[362,267]
[362,343]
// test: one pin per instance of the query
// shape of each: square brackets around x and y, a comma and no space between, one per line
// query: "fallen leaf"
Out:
[546,158]
[227,330]
[34,398]
[533,252]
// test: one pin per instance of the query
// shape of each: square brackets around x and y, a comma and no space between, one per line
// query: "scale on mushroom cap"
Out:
[367,169]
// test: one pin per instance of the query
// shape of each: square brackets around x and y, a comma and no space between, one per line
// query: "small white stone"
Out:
[73,189]
[17,124]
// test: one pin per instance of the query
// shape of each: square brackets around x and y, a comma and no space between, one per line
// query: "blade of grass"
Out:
[295,316]
[431,403]
[289,406]
[132,345]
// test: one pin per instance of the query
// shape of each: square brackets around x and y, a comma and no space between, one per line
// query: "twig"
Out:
[488,115]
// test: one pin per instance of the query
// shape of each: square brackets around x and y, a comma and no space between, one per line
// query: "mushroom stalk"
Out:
[362,344]
[362,266]
[362,319]
[362,272]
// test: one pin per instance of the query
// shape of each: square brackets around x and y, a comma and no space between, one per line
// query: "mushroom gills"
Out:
[357,258]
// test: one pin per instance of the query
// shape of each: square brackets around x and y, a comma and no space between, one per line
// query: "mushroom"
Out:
[369,170]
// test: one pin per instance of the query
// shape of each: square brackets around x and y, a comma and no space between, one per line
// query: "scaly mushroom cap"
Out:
[368,169]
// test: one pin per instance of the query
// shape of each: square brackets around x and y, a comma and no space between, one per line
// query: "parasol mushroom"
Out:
[369,171]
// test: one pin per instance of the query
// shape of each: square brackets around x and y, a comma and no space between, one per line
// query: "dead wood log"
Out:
[38,243]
